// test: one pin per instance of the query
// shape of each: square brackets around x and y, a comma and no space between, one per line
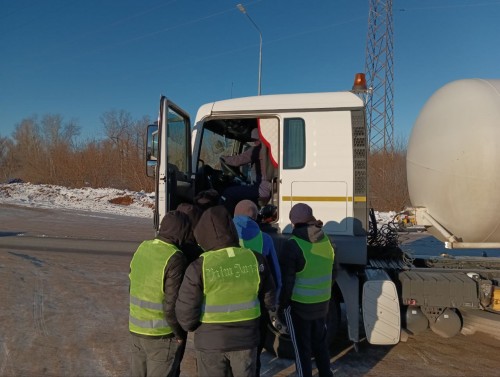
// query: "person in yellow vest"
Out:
[306,262]
[156,271]
[220,298]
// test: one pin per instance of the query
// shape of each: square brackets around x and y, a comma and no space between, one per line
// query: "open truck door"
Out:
[169,158]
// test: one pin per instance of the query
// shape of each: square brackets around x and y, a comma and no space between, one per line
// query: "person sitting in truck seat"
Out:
[259,191]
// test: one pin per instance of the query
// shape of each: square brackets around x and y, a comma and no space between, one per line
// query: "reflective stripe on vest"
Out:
[255,244]
[147,270]
[314,283]
[231,284]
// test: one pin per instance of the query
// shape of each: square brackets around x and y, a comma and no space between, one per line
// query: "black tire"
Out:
[281,345]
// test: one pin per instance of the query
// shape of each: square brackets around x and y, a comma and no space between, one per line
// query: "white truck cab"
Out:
[317,151]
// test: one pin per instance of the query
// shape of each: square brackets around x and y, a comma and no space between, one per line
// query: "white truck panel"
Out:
[325,182]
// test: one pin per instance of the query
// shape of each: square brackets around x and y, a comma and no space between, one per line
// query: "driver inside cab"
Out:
[259,189]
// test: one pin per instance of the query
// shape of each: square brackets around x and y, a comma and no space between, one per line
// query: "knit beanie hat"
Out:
[301,214]
[246,208]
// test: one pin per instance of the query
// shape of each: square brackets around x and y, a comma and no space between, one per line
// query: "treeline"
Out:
[388,186]
[46,150]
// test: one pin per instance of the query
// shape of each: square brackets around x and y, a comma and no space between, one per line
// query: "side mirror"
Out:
[151,150]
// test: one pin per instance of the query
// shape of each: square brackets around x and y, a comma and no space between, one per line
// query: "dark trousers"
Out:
[309,340]
[154,357]
[226,364]
[264,320]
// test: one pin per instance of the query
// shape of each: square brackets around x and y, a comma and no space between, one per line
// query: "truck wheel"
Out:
[281,345]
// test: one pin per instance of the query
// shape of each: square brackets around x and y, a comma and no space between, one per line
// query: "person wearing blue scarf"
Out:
[253,238]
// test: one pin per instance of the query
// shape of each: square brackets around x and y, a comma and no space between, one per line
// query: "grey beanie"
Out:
[246,208]
[301,214]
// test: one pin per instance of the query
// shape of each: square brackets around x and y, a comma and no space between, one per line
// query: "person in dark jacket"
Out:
[206,199]
[252,237]
[306,261]
[220,296]
[190,247]
[260,187]
[157,339]
[202,201]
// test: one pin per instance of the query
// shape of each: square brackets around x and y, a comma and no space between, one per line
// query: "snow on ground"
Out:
[102,200]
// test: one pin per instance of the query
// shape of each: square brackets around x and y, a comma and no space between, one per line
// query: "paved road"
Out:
[64,294]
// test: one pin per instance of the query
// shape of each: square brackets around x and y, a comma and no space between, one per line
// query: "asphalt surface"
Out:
[64,307]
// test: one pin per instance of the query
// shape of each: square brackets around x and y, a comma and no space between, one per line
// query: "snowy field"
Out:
[102,200]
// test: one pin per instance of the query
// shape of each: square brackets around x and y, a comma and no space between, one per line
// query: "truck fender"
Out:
[349,286]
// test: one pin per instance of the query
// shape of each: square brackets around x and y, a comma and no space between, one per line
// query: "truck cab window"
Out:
[294,143]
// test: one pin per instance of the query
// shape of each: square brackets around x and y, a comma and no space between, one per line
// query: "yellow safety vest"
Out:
[231,284]
[147,270]
[314,283]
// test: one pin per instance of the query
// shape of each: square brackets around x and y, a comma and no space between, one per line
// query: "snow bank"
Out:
[104,200]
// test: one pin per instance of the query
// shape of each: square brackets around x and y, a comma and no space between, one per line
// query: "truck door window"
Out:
[176,141]
[294,143]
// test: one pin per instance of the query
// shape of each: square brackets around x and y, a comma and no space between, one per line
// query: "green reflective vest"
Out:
[314,283]
[255,244]
[147,271]
[231,284]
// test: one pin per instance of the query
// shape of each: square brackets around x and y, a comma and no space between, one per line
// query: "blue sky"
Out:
[83,58]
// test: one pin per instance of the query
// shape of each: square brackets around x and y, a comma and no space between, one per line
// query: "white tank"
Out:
[453,160]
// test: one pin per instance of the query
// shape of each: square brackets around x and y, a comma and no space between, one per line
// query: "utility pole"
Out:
[244,11]
[380,76]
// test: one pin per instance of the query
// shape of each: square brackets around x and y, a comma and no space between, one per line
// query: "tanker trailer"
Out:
[453,164]
[453,171]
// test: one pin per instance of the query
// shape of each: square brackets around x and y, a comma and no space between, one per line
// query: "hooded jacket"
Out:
[291,261]
[190,247]
[216,231]
[174,229]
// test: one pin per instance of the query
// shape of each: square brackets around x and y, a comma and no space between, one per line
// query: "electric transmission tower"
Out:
[380,76]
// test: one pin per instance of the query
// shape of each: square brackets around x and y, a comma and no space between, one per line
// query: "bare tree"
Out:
[58,143]
[387,179]
[29,150]
[8,164]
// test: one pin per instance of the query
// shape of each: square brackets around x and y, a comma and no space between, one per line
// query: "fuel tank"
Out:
[453,159]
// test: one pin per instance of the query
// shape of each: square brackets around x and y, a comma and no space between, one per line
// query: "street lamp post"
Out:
[244,11]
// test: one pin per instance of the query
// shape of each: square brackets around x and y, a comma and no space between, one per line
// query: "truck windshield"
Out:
[213,146]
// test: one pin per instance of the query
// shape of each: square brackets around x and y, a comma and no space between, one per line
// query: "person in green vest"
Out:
[220,298]
[156,271]
[306,261]
[252,237]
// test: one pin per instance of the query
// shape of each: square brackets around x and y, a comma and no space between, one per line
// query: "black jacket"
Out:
[215,231]
[291,261]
